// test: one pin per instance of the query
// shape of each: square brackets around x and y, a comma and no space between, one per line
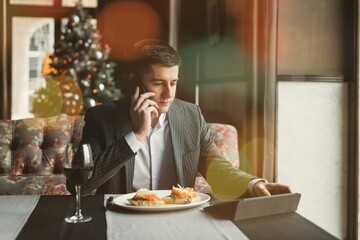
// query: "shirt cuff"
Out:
[252,184]
[134,144]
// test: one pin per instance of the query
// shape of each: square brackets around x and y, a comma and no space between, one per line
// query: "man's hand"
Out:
[142,110]
[262,188]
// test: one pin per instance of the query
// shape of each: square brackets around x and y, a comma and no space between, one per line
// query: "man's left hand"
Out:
[262,188]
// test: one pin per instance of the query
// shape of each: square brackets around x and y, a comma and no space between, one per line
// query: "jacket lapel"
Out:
[177,127]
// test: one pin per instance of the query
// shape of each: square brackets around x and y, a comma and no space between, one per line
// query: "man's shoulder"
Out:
[188,110]
[103,108]
[109,107]
[185,105]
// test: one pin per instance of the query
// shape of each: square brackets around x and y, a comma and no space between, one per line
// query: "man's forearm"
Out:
[226,181]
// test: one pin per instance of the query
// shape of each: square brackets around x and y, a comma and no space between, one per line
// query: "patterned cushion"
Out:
[226,139]
[33,185]
[28,137]
[77,127]
[57,135]
[32,153]
[6,135]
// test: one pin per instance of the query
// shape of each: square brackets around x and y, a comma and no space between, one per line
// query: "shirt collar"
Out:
[161,121]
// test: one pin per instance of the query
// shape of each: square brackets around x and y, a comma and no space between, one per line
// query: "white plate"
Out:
[122,201]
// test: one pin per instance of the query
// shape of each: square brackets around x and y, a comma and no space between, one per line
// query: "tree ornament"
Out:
[74,20]
[99,54]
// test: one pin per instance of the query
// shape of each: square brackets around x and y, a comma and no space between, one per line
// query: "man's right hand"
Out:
[142,111]
[262,188]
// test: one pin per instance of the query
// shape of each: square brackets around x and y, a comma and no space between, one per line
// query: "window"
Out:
[32,38]
[33,30]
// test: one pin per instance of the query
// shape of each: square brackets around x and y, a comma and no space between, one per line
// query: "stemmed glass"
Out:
[77,172]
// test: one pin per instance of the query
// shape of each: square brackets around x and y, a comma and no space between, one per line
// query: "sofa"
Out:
[32,152]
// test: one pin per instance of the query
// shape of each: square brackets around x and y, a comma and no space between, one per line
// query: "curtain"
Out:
[261,119]
[269,163]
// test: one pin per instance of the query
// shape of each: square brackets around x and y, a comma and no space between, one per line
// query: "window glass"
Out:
[312,148]
[33,2]
[32,39]
[85,3]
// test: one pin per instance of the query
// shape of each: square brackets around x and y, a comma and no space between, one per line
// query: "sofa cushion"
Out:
[26,146]
[77,127]
[33,185]
[32,153]
[6,135]
[226,138]
[58,131]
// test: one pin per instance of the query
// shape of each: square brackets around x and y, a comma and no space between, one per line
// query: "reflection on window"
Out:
[32,2]
[32,38]
[85,3]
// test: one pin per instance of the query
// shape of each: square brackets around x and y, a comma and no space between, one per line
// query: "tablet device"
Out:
[247,208]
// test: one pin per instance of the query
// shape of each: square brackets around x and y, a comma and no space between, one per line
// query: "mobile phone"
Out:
[137,82]
[141,86]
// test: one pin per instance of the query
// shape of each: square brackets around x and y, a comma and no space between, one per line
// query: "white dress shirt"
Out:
[154,162]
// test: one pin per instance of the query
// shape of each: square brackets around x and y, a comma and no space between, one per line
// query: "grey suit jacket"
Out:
[194,150]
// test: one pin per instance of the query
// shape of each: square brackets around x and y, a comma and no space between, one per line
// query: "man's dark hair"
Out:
[153,51]
[144,54]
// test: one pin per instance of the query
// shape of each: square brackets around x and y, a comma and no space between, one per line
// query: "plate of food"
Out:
[161,200]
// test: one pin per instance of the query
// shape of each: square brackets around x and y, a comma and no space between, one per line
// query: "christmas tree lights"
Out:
[81,56]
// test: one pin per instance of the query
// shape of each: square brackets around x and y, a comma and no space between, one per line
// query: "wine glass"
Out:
[77,171]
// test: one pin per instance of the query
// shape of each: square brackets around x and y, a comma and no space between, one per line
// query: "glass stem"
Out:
[78,201]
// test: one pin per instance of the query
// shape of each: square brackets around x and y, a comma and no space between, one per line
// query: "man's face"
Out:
[162,81]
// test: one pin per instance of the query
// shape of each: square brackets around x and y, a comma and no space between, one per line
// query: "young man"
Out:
[153,140]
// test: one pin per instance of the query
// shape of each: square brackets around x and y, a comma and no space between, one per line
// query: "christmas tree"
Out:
[81,55]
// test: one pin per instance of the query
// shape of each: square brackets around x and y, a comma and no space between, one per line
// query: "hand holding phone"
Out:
[143,110]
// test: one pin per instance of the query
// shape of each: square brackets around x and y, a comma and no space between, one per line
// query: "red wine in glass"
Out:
[77,172]
[77,175]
